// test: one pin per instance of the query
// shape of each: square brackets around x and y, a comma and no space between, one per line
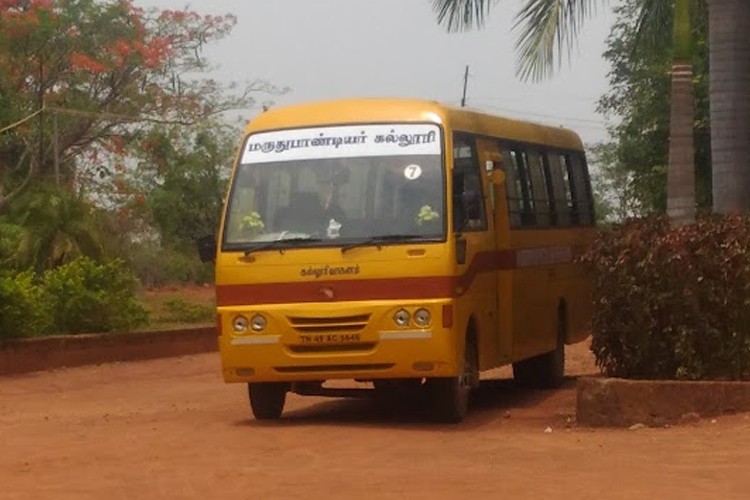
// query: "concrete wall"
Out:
[44,353]
[621,403]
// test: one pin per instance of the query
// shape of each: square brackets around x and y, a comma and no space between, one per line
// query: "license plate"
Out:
[329,338]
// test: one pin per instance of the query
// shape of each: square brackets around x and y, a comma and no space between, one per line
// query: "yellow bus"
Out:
[400,243]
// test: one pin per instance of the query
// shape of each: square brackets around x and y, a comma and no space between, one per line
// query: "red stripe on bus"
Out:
[336,291]
[429,287]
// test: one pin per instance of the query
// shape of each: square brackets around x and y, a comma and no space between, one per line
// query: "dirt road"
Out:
[171,429]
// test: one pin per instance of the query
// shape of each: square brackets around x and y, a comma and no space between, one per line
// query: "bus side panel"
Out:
[580,306]
[534,311]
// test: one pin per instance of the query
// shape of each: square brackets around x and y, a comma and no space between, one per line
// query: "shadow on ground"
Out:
[494,400]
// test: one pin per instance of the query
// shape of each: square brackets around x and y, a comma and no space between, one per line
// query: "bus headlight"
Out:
[258,323]
[401,318]
[239,324]
[422,317]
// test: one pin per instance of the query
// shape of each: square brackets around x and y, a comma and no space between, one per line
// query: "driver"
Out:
[311,212]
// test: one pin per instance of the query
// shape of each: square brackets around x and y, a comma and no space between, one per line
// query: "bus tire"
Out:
[267,399]
[546,371]
[451,395]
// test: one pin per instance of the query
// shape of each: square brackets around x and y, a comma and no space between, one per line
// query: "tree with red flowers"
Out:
[84,82]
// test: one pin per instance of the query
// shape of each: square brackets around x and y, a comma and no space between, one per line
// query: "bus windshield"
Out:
[337,186]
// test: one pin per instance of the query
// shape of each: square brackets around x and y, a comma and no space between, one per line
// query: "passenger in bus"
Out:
[304,214]
[308,213]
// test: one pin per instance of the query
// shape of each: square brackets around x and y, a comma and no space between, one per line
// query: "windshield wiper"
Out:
[281,244]
[380,240]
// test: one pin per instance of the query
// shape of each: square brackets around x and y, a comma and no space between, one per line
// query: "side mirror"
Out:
[207,248]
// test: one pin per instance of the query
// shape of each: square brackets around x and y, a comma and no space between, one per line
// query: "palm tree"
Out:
[56,229]
[548,26]
[681,165]
[729,87]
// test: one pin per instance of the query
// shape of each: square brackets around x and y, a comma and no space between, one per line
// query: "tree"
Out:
[185,173]
[635,163]
[57,229]
[729,46]
[550,25]
[681,166]
[83,78]
[615,197]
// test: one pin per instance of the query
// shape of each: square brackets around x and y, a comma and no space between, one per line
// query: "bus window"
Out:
[574,194]
[513,188]
[468,198]
[561,188]
[582,189]
[528,217]
[538,188]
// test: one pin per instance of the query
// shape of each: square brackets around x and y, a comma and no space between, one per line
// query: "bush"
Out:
[156,266]
[10,238]
[673,303]
[181,311]
[87,297]
[23,310]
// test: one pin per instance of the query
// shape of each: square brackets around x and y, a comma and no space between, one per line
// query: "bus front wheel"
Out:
[267,399]
[451,395]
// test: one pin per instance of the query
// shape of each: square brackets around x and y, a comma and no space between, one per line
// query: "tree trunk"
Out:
[729,94]
[681,170]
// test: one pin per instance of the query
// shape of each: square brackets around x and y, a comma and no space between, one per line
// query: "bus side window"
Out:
[549,186]
[468,196]
[539,189]
[575,198]
[513,191]
[582,189]
[528,216]
[561,188]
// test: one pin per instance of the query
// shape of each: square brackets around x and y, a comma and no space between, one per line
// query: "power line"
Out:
[572,97]
[543,115]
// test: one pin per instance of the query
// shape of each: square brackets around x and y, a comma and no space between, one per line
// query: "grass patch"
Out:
[175,307]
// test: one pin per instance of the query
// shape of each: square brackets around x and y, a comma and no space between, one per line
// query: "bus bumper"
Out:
[354,341]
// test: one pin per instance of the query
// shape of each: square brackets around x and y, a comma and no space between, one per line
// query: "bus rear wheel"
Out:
[451,395]
[546,371]
[267,399]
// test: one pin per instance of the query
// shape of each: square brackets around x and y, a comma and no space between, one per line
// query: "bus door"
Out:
[491,159]
[532,237]
[473,226]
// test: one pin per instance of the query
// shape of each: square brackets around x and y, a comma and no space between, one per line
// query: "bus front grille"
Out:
[329,324]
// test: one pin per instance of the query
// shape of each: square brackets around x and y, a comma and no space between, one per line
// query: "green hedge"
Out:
[89,297]
[673,303]
[80,297]
[23,306]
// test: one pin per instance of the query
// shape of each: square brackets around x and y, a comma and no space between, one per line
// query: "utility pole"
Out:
[466,81]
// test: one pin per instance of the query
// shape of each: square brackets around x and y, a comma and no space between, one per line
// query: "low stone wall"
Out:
[615,402]
[45,353]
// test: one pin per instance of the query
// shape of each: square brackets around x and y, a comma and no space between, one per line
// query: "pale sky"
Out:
[327,49]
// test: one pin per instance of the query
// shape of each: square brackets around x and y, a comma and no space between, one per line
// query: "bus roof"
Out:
[383,110]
